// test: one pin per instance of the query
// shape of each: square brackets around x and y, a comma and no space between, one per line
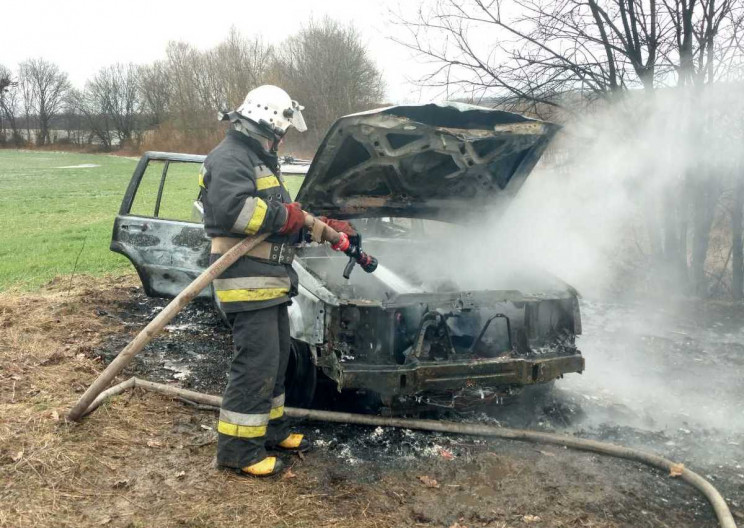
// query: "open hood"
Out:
[442,162]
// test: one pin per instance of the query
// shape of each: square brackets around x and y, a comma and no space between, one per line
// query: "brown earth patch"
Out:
[144,460]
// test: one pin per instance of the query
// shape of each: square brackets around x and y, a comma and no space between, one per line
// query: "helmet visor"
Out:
[297,120]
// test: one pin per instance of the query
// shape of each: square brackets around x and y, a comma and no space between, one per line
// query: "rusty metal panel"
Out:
[423,161]
[412,379]
[168,255]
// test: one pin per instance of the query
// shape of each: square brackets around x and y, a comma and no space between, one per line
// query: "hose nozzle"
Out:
[357,256]
[353,250]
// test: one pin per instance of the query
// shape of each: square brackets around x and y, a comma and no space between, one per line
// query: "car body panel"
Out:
[423,161]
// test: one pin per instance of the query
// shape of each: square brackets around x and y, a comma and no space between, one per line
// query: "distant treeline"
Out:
[173,104]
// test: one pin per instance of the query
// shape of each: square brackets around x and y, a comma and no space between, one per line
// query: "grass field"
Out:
[52,210]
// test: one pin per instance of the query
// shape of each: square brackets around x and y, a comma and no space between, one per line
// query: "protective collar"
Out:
[256,145]
[246,126]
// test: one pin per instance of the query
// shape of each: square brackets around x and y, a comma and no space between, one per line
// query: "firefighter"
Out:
[244,195]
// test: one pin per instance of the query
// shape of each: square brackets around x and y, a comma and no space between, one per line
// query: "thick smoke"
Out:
[653,359]
[657,359]
[582,213]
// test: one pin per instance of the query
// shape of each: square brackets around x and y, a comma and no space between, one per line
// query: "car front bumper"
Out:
[399,380]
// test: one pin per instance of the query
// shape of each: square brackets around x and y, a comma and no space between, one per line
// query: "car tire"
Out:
[302,376]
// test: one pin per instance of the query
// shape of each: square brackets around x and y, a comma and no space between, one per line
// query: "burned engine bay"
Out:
[417,324]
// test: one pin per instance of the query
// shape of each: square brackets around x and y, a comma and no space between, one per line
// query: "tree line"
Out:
[562,59]
[173,103]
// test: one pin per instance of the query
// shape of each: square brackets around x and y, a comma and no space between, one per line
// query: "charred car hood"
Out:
[434,161]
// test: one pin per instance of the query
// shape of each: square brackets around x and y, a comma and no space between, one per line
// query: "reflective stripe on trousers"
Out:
[232,423]
[251,288]
[277,407]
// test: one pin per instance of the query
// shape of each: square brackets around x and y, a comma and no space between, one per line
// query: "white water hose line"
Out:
[725,518]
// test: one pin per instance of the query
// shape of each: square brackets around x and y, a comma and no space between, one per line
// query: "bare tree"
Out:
[112,99]
[185,92]
[155,92]
[327,68]
[236,65]
[706,48]
[97,121]
[73,118]
[541,55]
[9,106]
[737,236]
[44,89]
[193,106]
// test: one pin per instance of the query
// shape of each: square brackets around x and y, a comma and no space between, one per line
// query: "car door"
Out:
[159,228]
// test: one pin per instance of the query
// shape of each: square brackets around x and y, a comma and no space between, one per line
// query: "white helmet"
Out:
[271,107]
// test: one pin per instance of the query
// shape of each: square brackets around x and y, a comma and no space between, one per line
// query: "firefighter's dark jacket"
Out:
[243,195]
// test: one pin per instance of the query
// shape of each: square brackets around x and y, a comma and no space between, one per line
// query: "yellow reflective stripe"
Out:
[237,418]
[251,283]
[241,431]
[276,412]
[267,182]
[201,177]
[245,215]
[262,294]
[256,221]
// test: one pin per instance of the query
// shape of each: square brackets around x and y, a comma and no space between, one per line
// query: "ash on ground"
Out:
[666,381]
[194,350]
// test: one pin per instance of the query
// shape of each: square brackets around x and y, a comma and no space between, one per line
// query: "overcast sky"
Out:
[81,36]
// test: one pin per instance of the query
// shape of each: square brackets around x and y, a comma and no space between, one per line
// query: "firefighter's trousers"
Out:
[252,413]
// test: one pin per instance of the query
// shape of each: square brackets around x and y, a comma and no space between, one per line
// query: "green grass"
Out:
[50,215]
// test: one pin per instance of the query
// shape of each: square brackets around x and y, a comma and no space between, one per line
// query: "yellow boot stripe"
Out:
[264,467]
[292,441]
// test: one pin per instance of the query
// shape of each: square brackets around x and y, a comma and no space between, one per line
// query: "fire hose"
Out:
[97,392]
[721,509]
[320,233]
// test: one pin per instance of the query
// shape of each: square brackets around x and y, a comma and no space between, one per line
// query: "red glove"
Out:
[343,242]
[295,219]
[339,225]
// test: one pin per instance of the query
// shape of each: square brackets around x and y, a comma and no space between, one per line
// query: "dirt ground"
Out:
[145,460]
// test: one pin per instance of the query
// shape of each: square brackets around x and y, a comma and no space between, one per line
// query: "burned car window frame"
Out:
[139,172]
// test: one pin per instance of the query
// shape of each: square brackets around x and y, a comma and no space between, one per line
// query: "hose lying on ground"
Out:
[725,518]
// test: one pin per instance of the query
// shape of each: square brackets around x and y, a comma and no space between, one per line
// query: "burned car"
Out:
[432,324]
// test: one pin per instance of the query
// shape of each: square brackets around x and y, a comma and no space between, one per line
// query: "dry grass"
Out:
[141,460]
[145,460]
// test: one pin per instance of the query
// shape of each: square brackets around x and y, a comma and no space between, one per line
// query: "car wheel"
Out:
[302,376]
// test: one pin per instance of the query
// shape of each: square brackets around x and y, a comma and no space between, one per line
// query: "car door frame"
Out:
[137,236]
